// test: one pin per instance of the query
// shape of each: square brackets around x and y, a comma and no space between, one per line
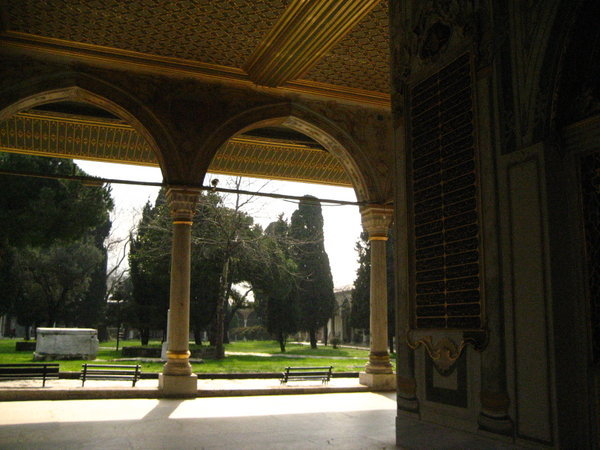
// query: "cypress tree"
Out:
[315,294]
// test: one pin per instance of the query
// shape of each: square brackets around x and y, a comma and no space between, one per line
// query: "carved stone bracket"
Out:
[445,352]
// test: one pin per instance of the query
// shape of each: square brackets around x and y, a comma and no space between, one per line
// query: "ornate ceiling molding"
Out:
[172,66]
[109,140]
[305,32]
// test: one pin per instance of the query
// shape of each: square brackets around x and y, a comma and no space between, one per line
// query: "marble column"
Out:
[378,372]
[177,379]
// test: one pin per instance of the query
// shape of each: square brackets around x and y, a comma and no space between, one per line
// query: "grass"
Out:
[244,363]
[272,347]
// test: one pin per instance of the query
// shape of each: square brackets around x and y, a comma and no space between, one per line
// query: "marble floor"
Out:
[361,420]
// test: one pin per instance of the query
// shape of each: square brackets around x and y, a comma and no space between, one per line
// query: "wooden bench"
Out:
[110,372]
[28,370]
[306,374]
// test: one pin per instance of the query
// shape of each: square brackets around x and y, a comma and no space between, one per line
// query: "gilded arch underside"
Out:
[40,132]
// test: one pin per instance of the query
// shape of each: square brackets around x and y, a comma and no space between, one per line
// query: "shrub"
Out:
[255,333]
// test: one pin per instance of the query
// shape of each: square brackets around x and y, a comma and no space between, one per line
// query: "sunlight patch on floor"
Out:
[74,411]
[281,404]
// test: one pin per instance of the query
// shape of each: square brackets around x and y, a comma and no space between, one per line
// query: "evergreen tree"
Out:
[274,284]
[44,213]
[315,285]
[54,280]
[150,268]
[361,296]
[206,265]
[38,211]
[360,309]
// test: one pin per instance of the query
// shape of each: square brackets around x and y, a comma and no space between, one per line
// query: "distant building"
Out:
[339,325]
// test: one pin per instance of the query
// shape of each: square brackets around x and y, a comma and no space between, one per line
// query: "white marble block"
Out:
[66,343]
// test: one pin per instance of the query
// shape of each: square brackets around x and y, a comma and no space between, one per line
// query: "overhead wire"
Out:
[99,181]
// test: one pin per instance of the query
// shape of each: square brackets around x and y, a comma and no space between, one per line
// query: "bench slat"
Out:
[16,371]
[307,373]
[30,365]
[110,372]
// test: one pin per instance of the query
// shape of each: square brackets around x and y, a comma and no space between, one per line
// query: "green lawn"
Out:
[292,349]
[275,362]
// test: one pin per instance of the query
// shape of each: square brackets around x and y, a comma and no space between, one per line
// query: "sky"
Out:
[341,228]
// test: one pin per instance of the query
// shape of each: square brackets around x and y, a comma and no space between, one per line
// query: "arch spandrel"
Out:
[330,135]
[79,87]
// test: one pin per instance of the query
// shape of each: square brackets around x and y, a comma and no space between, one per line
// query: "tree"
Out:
[150,269]
[120,305]
[221,248]
[54,280]
[315,287]
[37,211]
[234,240]
[361,294]
[46,213]
[206,264]
[274,284]
[360,309]
[91,310]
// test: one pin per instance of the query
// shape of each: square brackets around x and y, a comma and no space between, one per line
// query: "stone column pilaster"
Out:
[177,379]
[378,372]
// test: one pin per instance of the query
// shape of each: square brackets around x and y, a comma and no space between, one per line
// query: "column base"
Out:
[407,395]
[408,406]
[178,385]
[496,425]
[378,381]
[493,416]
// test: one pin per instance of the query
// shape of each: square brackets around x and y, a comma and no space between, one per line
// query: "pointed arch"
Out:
[299,118]
[83,88]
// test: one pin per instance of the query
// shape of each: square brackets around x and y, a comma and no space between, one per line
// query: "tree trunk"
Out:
[313,337]
[102,333]
[197,336]
[220,349]
[281,339]
[220,314]
[144,336]
[226,322]
[51,317]
[325,335]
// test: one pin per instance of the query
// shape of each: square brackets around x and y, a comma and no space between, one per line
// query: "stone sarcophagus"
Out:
[66,343]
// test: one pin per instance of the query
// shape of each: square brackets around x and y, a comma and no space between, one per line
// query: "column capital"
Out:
[182,203]
[376,220]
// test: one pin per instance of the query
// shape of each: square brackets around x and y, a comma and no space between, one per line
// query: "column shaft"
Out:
[378,372]
[379,359]
[178,339]
[177,379]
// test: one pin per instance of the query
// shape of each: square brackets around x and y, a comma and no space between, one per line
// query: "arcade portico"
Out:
[472,127]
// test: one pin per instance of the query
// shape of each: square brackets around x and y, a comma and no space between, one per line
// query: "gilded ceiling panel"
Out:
[361,59]
[67,136]
[223,32]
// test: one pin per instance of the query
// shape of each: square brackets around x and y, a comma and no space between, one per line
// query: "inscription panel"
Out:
[445,232]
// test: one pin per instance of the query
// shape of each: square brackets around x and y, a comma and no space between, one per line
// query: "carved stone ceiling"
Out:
[223,33]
